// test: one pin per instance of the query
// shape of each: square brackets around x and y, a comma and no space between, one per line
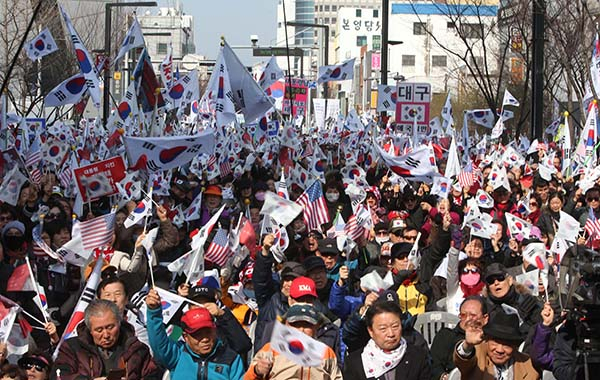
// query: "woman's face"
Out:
[555,204]
[61,237]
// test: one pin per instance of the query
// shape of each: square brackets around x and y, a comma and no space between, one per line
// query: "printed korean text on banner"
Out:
[100,178]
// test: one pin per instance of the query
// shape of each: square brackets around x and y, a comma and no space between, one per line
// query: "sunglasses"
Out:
[397,233]
[593,199]
[37,367]
[405,237]
[492,279]
[5,218]
[472,270]
[534,204]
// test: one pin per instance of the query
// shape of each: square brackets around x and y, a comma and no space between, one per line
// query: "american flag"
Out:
[315,208]
[97,232]
[352,229]
[466,178]
[592,227]
[225,168]
[218,251]
[65,177]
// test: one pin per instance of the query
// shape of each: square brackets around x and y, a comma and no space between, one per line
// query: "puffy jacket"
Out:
[285,369]
[341,303]
[221,364]
[541,352]
[442,350]
[79,358]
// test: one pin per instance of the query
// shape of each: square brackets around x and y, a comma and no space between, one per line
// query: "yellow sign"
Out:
[117,75]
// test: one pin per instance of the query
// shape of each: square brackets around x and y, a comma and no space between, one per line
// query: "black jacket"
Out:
[413,366]
[442,350]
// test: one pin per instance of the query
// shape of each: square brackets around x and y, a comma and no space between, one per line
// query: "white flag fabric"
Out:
[441,187]
[417,164]
[343,71]
[297,346]
[280,209]
[484,200]
[133,39]
[126,109]
[270,74]
[453,168]
[568,228]
[42,45]
[372,281]
[518,226]
[386,97]
[195,270]
[483,117]
[218,97]
[535,253]
[7,316]
[69,91]
[185,90]
[163,153]
[482,226]
[170,304]
[252,101]
[588,137]
[499,178]
[193,211]
[86,65]
[447,114]
[509,99]
[530,280]
[11,186]
[142,210]
[498,129]
[166,68]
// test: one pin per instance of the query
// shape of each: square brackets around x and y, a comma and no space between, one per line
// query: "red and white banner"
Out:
[100,178]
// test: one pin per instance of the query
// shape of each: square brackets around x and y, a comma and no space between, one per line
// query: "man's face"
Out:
[5,218]
[305,327]
[313,242]
[115,292]
[319,276]
[409,235]
[543,192]
[499,352]
[329,259]
[402,263]
[202,341]
[396,236]
[386,331]
[499,285]
[286,282]
[470,312]
[104,330]
[61,237]
[212,201]
[593,199]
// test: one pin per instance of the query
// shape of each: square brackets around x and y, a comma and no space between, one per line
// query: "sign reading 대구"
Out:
[412,101]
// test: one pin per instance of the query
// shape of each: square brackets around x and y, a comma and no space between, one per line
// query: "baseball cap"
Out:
[328,247]
[292,269]
[196,319]
[213,190]
[302,312]
[313,262]
[397,225]
[495,269]
[400,249]
[303,286]
[203,293]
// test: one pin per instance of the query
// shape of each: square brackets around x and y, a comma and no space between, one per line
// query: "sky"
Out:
[234,19]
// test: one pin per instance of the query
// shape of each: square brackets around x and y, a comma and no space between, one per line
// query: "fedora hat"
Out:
[503,327]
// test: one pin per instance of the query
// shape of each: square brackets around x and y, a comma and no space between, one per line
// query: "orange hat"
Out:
[213,190]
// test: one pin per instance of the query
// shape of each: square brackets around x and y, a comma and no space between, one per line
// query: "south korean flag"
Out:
[42,45]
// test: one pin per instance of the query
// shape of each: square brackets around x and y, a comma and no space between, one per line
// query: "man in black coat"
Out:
[473,308]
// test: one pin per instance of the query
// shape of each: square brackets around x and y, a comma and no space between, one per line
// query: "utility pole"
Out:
[385,14]
[537,112]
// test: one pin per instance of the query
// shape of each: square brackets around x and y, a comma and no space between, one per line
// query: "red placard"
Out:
[100,178]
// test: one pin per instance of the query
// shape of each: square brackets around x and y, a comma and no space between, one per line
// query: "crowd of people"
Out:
[357,306]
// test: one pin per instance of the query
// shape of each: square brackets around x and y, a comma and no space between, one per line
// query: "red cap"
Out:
[196,319]
[303,286]
[213,190]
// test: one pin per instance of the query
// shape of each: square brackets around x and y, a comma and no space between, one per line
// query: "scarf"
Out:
[376,362]
[472,290]
[505,371]
[508,299]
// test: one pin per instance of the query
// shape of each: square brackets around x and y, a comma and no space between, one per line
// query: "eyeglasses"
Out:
[37,367]
[593,199]
[410,237]
[397,233]
[5,218]
[381,233]
[472,270]
[534,204]
[492,279]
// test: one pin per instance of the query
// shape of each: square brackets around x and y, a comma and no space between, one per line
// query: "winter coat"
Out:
[413,366]
[284,369]
[541,347]
[442,350]
[480,367]
[528,306]
[343,304]
[222,363]
[79,357]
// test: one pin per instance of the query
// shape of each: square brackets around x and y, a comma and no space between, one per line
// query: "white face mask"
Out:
[332,197]
[381,239]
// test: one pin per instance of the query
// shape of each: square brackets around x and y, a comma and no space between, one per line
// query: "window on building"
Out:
[334,20]
[320,8]
[359,13]
[439,61]
[316,20]
[327,8]
[419,29]
[377,42]
[361,40]
[408,60]
[161,48]
[472,30]
[333,33]
[334,8]
[375,13]
[316,8]
[326,20]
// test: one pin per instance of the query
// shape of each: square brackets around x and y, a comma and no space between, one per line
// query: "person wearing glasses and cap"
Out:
[36,364]
[502,290]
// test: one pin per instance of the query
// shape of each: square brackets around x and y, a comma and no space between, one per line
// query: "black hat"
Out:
[495,269]
[201,293]
[243,183]
[381,226]
[400,249]
[292,269]
[302,312]
[313,262]
[504,327]
[328,247]
[431,199]
[389,295]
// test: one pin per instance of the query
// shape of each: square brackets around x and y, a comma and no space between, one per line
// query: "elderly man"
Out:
[104,347]
[202,355]
[492,352]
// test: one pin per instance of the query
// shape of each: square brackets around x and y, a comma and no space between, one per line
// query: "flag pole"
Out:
[37,290]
